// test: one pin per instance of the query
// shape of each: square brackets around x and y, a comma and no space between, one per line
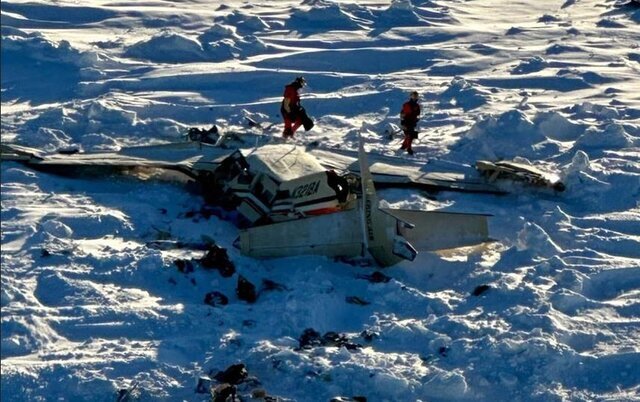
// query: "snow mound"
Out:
[514,31]
[504,137]
[55,228]
[47,139]
[17,339]
[462,93]
[105,116]
[533,237]
[62,118]
[219,42]
[401,13]
[322,16]
[35,60]
[613,136]
[397,376]
[531,65]
[167,47]
[19,175]
[514,134]
[222,43]
[244,23]
[445,384]
[590,110]
[251,45]
[610,23]
[580,180]
[556,126]
[5,297]
[579,163]
[218,32]
[548,18]
[221,50]
[38,47]
[99,142]
[559,49]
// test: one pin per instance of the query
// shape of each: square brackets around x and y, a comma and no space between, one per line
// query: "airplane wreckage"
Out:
[323,201]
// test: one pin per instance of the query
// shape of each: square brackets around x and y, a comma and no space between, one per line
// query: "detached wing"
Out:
[388,171]
[188,157]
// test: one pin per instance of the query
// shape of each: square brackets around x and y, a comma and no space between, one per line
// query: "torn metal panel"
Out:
[518,171]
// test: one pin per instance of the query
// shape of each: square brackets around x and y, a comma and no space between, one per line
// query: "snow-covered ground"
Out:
[90,309]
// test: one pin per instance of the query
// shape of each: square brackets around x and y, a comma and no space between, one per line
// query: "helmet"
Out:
[415,94]
[301,81]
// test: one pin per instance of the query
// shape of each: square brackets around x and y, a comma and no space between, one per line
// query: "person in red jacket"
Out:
[409,116]
[291,110]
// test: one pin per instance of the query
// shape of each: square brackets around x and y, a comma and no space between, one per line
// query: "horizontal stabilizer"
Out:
[434,230]
[332,235]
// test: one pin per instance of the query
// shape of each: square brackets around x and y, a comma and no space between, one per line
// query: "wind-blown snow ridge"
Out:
[95,309]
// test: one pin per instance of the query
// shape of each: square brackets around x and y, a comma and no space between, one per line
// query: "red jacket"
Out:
[410,112]
[291,93]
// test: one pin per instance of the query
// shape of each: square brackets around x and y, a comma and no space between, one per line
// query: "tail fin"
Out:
[380,230]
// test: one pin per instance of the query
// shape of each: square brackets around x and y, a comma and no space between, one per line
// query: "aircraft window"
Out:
[339,185]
